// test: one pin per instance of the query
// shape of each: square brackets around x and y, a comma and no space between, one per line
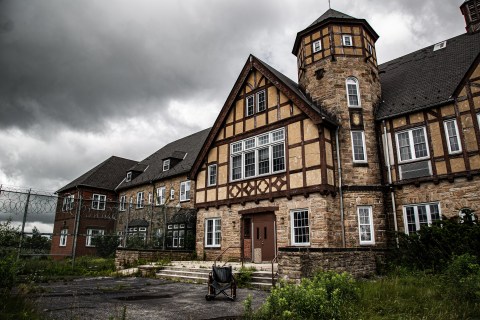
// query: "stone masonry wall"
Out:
[125,257]
[297,263]
[452,196]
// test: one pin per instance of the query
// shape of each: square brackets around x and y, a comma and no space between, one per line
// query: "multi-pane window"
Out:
[300,227]
[91,234]
[185,191]
[176,235]
[260,155]
[412,144]
[317,46]
[358,146]
[365,225]
[68,202]
[419,215]
[212,175]
[63,237]
[259,98]
[347,40]
[99,201]
[123,203]
[451,131]
[140,199]
[353,92]
[172,194]
[160,196]
[261,101]
[166,165]
[213,232]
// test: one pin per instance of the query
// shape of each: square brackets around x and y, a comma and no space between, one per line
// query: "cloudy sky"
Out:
[83,80]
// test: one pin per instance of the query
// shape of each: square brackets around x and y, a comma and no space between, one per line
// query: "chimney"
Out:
[471,12]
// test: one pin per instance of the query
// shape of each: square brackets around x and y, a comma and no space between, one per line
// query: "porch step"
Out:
[260,279]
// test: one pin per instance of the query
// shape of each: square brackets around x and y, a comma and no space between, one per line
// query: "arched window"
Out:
[353,93]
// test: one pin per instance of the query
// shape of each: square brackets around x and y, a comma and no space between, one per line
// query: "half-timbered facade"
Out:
[354,150]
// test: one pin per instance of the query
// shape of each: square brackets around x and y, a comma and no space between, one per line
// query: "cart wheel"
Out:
[207,297]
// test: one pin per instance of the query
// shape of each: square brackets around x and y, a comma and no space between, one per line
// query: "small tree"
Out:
[9,238]
[36,242]
[106,245]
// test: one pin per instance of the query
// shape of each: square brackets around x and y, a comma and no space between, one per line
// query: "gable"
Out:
[283,99]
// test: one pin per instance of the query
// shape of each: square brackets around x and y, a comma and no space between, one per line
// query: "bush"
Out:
[462,278]
[244,277]
[327,296]
[106,245]
[9,269]
[434,247]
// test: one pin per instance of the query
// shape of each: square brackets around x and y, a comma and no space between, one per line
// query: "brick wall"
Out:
[297,263]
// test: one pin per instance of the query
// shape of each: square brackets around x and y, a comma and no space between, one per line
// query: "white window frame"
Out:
[123,203]
[353,81]
[92,233]
[172,194]
[129,176]
[140,199]
[185,190]
[212,175]
[370,48]
[364,147]
[456,136]
[150,198]
[262,141]
[99,201]
[250,108]
[369,225]
[63,237]
[412,145]
[293,228]
[415,206]
[344,42]
[166,165]
[257,95]
[161,192]
[317,46]
[215,243]
[68,202]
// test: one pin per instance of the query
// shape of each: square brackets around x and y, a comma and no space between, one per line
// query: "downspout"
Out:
[76,226]
[392,192]
[339,164]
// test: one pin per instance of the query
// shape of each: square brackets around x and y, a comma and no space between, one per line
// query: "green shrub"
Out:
[244,277]
[9,269]
[106,245]
[432,248]
[462,278]
[327,296]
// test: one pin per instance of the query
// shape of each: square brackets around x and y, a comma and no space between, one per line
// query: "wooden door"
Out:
[264,237]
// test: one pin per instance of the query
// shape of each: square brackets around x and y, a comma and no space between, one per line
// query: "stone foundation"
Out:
[125,257]
[297,263]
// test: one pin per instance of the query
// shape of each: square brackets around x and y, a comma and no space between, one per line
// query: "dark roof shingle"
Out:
[107,175]
[425,78]
[330,13]
[186,148]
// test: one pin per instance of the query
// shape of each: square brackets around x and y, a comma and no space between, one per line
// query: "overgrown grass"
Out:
[244,277]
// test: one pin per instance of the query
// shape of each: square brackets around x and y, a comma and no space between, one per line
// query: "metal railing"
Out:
[225,250]
[274,273]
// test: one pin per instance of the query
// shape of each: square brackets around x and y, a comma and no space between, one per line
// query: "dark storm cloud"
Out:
[78,63]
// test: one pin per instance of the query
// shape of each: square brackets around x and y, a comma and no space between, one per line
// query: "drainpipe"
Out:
[76,226]
[340,187]
[392,192]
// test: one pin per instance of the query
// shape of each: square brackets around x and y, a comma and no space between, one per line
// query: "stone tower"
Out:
[471,12]
[337,68]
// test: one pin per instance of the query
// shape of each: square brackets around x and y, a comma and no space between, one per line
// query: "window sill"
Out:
[367,244]
[301,244]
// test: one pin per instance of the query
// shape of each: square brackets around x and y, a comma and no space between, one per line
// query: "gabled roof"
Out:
[107,175]
[332,16]
[189,146]
[287,86]
[426,78]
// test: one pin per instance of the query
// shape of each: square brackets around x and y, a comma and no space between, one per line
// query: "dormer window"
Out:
[166,165]
[347,40]
[317,46]
[129,176]
[440,45]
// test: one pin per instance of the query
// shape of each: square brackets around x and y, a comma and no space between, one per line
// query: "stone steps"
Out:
[260,279]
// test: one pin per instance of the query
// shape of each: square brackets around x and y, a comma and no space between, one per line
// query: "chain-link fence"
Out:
[46,224]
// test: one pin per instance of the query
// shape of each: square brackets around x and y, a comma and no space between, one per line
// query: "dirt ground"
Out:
[138,298]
